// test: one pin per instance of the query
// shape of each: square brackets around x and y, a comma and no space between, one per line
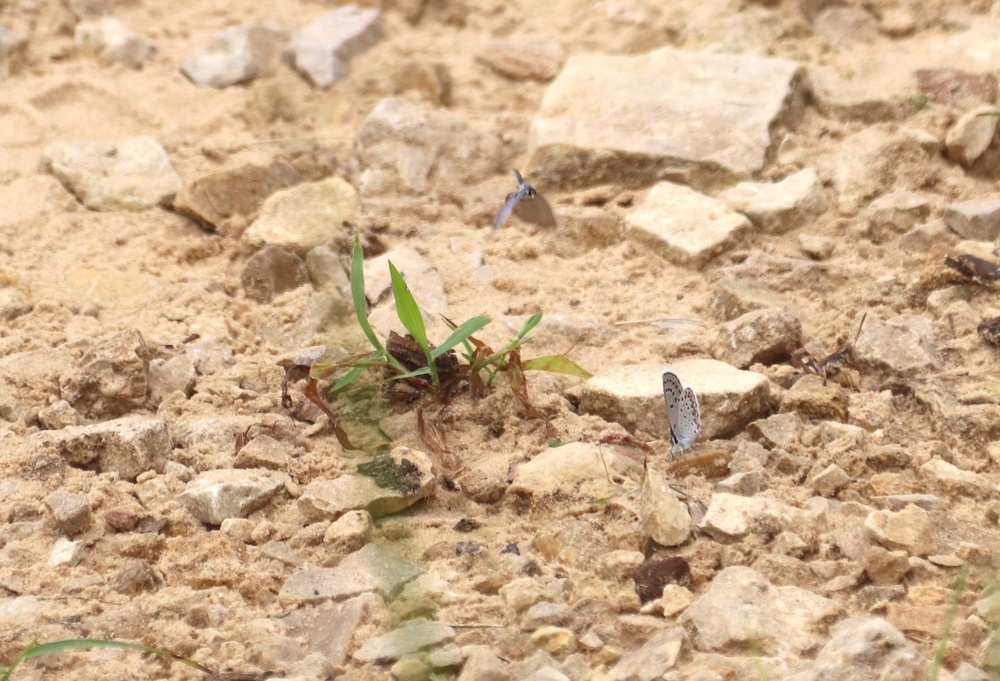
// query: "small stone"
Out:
[732,517]
[13,47]
[59,415]
[547,674]
[370,569]
[632,396]
[684,226]
[950,478]
[619,565]
[544,614]
[272,271]
[408,638]
[555,640]
[971,135]
[778,207]
[744,483]
[112,378]
[978,219]
[15,296]
[653,577]
[264,452]
[908,530]
[522,61]
[169,376]
[741,608]
[896,213]
[967,672]
[320,52]
[663,517]
[136,577]
[225,200]
[595,118]
[897,502]
[446,656]
[865,648]
[132,174]
[652,661]
[237,55]
[816,246]
[326,271]
[71,510]
[591,641]
[305,216]
[949,561]
[870,410]
[216,495]
[349,532]
[778,430]
[674,600]
[886,567]
[482,664]
[64,552]
[128,446]
[830,480]
[759,337]
[811,398]
[329,499]
[903,345]
[112,41]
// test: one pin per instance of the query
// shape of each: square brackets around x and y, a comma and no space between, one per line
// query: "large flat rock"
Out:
[693,117]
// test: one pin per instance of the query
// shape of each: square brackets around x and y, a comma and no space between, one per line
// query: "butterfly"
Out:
[684,412]
[527,204]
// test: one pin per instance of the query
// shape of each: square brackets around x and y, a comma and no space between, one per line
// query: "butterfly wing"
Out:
[512,200]
[536,210]
[672,392]
[689,423]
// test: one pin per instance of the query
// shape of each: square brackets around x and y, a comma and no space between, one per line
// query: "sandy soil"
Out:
[95,273]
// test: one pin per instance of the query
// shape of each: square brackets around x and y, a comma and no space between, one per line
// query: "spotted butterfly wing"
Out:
[683,411]
[535,210]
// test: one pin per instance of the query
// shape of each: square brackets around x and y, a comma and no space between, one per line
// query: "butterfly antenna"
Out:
[517,176]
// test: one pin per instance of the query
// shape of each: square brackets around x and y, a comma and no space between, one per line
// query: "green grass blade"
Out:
[347,379]
[78,643]
[461,335]
[358,293]
[556,363]
[422,371]
[529,325]
[409,314]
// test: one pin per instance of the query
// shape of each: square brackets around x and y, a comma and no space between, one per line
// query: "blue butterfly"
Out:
[527,204]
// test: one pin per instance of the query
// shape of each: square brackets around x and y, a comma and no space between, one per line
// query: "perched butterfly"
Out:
[684,412]
[527,204]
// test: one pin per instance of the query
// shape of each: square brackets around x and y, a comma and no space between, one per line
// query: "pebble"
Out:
[907,530]
[864,648]
[744,484]
[482,664]
[951,479]
[305,216]
[759,337]
[326,271]
[557,641]
[632,396]
[652,661]
[778,430]
[896,213]
[370,569]
[675,599]
[684,226]
[214,496]
[349,533]
[978,219]
[662,515]
[971,135]
[402,148]
[272,271]
[15,296]
[830,480]
[870,410]
[903,345]
[226,200]
[741,608]
[329,499]
[168,376]
[59,415]
[548,674]
[127,446]
[70,509]
[13,47]
[816,246]
[855,99]
[264,451]
[547,613]
[732,517]
[885,567]
[810,398]
[408,638]
[136,577]
[112,377]
[778,207]
[112,41]
[237,55]
[897,502]
[133,174]
[710,114]
[522,61]
[320,52]
[578,470]
[64,552]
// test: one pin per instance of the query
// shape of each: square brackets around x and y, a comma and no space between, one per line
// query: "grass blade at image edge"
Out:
[37,650]
[358,293]
[557,364]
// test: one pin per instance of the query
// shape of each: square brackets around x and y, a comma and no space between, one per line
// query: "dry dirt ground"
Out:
[91,274]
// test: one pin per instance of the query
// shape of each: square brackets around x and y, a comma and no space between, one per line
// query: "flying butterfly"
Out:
[527,204]
[683,410]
